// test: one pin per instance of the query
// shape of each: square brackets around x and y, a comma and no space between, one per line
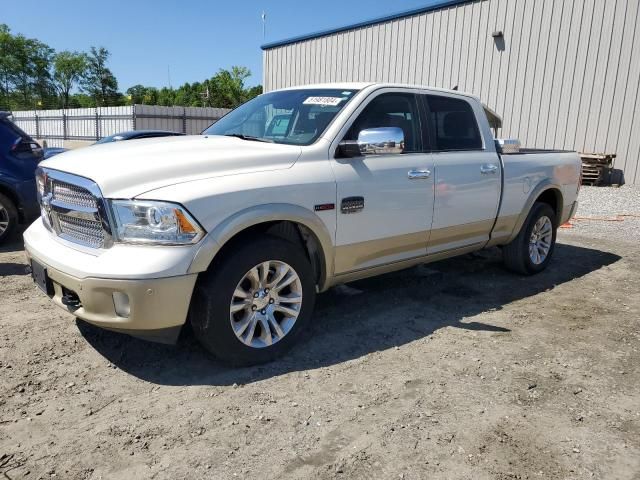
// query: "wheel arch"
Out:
[288,221]
[10,194]
[545,192]
[13,196]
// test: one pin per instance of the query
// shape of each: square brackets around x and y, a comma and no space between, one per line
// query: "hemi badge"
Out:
[324,206]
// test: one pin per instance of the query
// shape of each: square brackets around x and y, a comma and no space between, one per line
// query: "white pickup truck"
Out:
[237,229]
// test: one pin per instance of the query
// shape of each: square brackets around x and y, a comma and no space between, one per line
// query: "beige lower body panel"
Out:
[459,236]
[155,304]
[568,212]
[368,254]
[443,243]
[503,230]
[400,265]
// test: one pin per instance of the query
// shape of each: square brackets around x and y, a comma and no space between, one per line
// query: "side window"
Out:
[453,124]
[391,110]
[9,134]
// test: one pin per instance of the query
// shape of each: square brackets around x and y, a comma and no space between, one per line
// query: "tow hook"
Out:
[71,300]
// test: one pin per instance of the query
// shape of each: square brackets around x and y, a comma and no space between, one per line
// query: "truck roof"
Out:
[363,85]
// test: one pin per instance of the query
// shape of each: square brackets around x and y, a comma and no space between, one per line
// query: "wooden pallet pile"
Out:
[596,167]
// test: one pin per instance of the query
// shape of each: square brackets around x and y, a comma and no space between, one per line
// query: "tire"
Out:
[517,256]
[8,218]
[214,324]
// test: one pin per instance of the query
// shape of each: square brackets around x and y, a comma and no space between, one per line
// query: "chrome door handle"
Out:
[418,174]
[488,168]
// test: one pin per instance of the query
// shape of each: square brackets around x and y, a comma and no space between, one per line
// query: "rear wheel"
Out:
[531,251]
[255,303]
[8,218]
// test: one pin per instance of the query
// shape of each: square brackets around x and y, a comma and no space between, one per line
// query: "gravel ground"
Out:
[606,212]
[456,370]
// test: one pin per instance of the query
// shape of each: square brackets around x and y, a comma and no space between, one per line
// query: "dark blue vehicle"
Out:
[19,158]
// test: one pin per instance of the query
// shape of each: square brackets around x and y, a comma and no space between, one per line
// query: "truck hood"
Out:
[126,169]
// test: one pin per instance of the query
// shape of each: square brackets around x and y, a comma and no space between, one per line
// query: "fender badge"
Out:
[324,206]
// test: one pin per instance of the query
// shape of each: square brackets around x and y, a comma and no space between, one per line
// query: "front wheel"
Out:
[254,304]
[8,218]
[531,251]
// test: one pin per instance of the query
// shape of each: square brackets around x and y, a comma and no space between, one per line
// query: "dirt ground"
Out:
[456,370]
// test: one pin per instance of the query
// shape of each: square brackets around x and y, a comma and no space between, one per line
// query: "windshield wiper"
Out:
[248,137]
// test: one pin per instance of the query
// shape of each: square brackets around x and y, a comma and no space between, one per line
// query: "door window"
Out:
[391,110]
[453,124]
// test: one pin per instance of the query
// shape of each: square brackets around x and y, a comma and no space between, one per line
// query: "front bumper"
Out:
[158,307]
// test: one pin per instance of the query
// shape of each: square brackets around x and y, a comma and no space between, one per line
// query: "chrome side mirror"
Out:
[375,141]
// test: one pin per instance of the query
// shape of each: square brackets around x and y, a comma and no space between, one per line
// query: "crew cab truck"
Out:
[236,230]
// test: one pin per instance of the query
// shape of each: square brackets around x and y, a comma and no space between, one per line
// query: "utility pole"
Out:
[264,25]
[205,97]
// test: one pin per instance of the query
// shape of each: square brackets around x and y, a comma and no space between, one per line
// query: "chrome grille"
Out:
[89,232]
[73,195]
[73,209]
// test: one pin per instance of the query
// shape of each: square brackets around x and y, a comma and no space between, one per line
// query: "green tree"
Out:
[8,64]
[226,88]
[253,92]
[81,100]
[25,78]
[69,69]
[166,97]
[99,82]
[136,94]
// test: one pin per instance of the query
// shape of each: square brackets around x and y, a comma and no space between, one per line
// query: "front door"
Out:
[384,202]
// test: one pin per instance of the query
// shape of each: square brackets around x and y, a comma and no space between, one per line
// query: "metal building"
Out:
[561,73]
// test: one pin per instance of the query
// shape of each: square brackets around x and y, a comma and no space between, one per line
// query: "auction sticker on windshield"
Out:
[325,101]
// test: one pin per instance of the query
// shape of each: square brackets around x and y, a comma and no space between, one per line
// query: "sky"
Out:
[156,42]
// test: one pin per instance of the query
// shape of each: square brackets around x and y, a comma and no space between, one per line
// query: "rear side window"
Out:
[453,124]
[9,134]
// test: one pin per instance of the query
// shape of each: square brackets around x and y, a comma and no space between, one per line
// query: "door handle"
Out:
[418,174]
[488,168]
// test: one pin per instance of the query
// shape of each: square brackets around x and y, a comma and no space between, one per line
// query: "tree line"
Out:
[34,76]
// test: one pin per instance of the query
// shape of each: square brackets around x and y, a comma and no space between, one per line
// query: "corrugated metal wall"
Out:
[566,74]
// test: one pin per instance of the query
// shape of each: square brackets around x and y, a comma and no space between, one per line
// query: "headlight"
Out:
[154,222]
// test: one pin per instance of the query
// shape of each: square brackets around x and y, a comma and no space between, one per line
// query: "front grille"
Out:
[72,207]
[89,232]
[73,195]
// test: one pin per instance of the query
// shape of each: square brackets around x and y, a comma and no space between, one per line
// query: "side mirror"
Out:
[374,141]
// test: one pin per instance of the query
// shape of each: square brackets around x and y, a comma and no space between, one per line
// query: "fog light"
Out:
[121,302]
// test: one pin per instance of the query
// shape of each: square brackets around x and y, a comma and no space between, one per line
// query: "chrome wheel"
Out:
[4,219]
[266,304]
[540,240]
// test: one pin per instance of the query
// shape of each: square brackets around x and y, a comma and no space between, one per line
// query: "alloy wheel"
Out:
[540,240]
[266,304]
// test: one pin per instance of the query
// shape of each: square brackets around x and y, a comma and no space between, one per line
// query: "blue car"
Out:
[19,158]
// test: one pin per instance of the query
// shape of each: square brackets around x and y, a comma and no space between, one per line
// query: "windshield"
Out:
[294,117]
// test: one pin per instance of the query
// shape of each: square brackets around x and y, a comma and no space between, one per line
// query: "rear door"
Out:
[467,175]
[21,153]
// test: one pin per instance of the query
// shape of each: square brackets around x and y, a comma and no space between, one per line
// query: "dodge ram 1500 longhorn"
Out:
[237,229]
